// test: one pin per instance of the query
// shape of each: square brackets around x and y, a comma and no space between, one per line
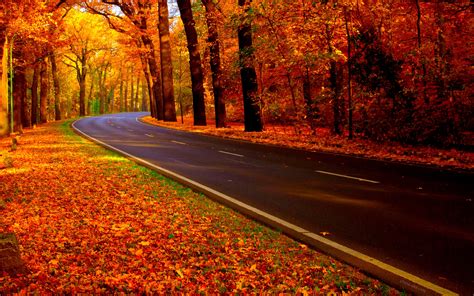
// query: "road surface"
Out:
[418,219]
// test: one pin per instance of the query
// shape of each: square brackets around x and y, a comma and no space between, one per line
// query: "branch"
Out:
[107,17]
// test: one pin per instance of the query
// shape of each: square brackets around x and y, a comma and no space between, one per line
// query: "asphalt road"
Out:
[418,219]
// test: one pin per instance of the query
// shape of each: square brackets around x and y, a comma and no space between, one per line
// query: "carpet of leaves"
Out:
[325,141]
[90,221]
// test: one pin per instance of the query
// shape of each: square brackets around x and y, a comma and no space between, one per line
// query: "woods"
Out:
[382,70]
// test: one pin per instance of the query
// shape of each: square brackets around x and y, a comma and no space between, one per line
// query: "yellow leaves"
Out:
[144,243]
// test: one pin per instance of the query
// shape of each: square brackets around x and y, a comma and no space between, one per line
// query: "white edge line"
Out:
[348,177]
[230,153]
[178,142]
[148,135]
[384,266]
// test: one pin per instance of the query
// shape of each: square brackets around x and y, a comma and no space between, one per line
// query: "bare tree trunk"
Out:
[349,72]
[169,109]
[3,83]
[25,116]
[19,94]
[422,58]
[252,115]
[144,106]
[57,94]
[215,61]
[81,76]
[155,75]
[34,95]
[197,77]
[43,92]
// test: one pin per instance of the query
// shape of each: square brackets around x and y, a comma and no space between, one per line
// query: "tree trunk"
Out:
[349,72]
[215,61]
[19,98]
[43,92]
[335,83]
[197,77]
[25,116]
[57,94]
[422,58]
[155,75]
[34,95]
[169,109]
[144,106]
[252,115]
[121,93]
[3,83]
[135,104]
[81,76]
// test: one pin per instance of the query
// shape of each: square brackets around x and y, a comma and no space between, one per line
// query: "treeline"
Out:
[385,70]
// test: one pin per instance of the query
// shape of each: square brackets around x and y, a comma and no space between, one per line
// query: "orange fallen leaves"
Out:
[89,221]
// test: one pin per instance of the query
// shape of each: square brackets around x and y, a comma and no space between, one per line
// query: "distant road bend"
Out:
[418,219]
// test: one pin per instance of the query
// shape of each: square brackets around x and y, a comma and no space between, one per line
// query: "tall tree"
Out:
[34,95]
[197,77]
[57,94]
[43,91]
[252,115]
[169,109]
[3,83]
[215,61]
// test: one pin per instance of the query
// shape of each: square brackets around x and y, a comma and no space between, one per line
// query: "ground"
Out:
[88,220]
[325,141]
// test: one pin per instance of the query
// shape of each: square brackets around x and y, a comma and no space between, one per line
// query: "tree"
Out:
[169,109]
[197,77]
[215,61]
[252,116]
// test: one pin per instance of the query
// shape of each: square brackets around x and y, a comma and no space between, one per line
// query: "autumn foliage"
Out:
[106,225]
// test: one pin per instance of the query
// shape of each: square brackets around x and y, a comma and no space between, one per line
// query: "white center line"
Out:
[230,153]
[148,135]
[348,177]
[178,142]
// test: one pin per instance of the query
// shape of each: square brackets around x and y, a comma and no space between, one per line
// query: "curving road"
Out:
[417,219]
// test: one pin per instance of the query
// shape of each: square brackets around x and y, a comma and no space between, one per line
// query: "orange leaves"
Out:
[91,222]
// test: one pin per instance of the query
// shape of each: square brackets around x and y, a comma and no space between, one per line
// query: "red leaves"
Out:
[89,221]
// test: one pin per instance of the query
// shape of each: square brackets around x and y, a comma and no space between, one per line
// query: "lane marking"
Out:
[148,135]
[178,142]
[348,177]
[406,279]
[230,153]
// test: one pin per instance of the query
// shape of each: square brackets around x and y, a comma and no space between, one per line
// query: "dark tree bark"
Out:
[252,115]
[43,92]
[169,109]
[19,94]
[197,77]
[22,85]
[349,71]
[57,94]
[144,106]
[3,87]
[335,82]
[34,95]
[155,76]
[215,61]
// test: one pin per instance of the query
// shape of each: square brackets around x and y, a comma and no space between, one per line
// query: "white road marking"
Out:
[148,135]
[405,278]
[178,142]
[348,177]
[230,153]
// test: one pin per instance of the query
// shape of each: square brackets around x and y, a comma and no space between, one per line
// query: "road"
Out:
[415,218]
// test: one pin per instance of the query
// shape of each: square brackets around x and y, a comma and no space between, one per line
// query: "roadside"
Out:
[326,142]
[91,221]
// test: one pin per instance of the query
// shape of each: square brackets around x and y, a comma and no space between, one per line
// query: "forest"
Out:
[392,70]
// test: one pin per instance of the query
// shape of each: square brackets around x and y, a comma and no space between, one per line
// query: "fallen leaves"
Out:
[89,221]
